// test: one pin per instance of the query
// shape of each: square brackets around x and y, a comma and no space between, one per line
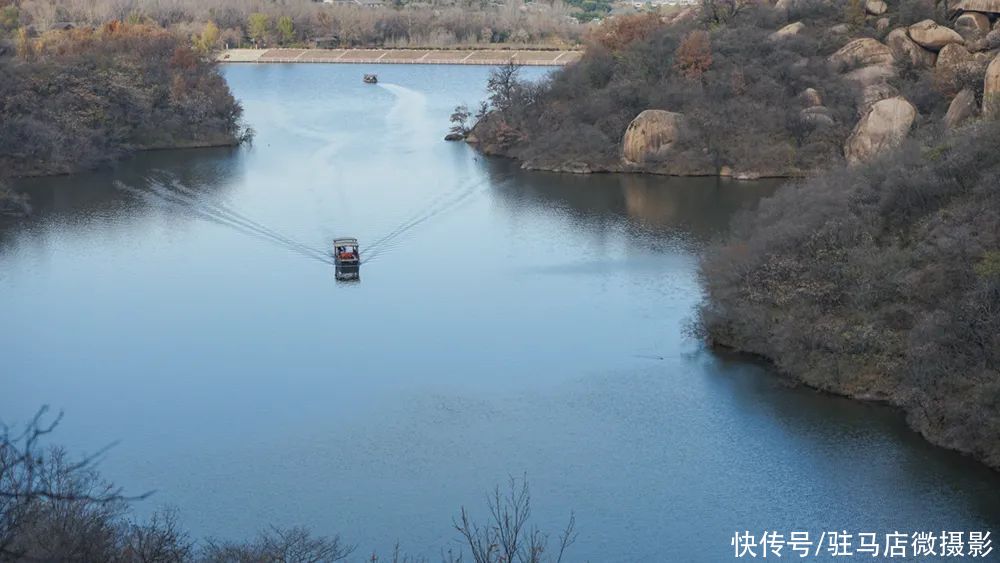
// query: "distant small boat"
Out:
[370,79]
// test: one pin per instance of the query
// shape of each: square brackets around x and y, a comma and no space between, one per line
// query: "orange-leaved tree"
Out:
[694,55]
[616,33]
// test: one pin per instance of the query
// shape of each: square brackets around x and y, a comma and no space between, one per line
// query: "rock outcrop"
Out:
[962,109]
[862,52]
[884,126]
[987,42]
[929,35]
[991,90]
[784,5]
[984,57]
[817,115]
[870,67]
[650,136]
[875,93]
[876,7]
[987,6]
[787,31]
[953,56]
[811,97]
[905,49]
[873,75]
[972,25]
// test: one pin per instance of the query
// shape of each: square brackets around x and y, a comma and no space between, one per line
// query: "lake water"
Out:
[515,323]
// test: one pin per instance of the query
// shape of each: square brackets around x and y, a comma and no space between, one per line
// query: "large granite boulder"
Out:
[929,35]
[875,93]
[987,6]
[905,49]
[870,67]
[986,42]
[817,116]
[871,75]
[787,31]
[972,25]
[962,108]
[650,136]
[876,7]
[811,98]
[984,57]
[953,56]
[784,5]
[991,89]
[884,126]
[860,53]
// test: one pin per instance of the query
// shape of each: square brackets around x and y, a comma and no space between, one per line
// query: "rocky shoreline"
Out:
[878,390]
[17,204]
[607,166]
[875,277]
[660,141]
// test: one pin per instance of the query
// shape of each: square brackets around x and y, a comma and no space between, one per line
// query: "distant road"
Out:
[399,56]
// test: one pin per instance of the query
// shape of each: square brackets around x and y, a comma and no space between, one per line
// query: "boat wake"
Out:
[409,115]
[167,190]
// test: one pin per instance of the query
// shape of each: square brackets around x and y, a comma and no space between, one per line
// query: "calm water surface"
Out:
[524,323]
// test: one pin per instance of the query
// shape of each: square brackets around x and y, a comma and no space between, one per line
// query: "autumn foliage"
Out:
[74,99]
[694,55]
[618,32]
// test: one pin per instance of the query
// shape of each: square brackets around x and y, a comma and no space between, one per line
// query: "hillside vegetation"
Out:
[747,89]
[368,23]
[877,278]
[71,100]
[880,281]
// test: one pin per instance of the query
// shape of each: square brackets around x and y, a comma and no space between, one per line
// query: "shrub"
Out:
[738,90]
[87,96]
[879,281]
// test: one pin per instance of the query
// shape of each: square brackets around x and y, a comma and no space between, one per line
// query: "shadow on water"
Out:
[831,428]
[698,208]
[82,199]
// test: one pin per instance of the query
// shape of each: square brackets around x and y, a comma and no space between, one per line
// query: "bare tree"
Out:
[502,85]
[506,537]
[160,540]
[720,12]
[279,545]
[38,483]
[460,120]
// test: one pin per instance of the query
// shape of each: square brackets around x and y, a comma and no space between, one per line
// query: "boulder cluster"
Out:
[885,116]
